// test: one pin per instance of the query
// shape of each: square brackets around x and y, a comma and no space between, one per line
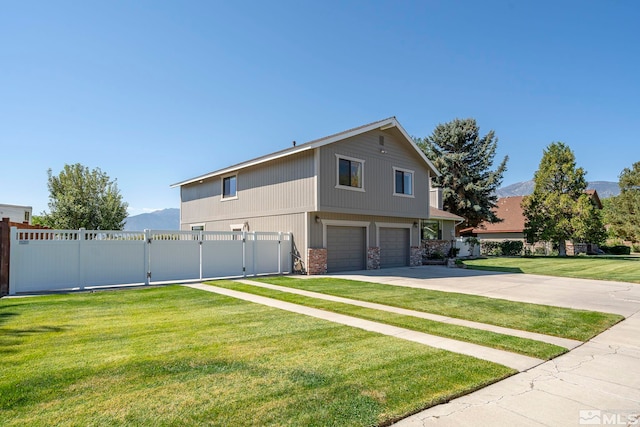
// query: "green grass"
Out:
[178,356]
[562,322]
[477,336]
[616,268]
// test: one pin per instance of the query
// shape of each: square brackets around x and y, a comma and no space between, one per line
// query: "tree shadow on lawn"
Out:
[10,337]
[495,269]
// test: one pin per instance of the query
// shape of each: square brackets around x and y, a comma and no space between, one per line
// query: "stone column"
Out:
[415,259]
[317,261]
[373,258]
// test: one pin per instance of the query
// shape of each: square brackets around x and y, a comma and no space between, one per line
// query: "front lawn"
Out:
[524,346]
[615,268]
[562,322]
[180,356]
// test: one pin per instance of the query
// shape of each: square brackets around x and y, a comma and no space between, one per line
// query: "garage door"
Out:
[345,248]
[394,247]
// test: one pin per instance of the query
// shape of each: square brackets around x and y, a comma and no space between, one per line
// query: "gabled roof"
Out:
[385,124]
[594,196]
[509,209]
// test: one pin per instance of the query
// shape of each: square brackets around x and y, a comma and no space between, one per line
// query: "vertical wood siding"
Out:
[378,198]
[294,223]
[278,187]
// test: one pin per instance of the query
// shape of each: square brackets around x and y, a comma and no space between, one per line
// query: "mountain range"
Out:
[165,219]
[605,189]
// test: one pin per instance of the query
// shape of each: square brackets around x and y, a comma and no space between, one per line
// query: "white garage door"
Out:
[345,248]
[394,247]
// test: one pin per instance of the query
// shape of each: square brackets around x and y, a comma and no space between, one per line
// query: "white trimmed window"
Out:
[229,187]
[402,182]
[350,173]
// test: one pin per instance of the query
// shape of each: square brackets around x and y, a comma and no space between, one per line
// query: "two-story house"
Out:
[17,214]
[354,200]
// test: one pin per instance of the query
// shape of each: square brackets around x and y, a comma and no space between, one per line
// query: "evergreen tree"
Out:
[559,209]
[464,159]
[83,198]
[624,212]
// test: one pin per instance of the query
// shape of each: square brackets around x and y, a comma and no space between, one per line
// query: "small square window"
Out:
[229,188]
[403,182]
[350,173]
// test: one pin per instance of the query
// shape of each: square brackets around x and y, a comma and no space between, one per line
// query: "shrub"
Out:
[512,247]
[490,248]
[505,248]
[616,250]
[636,247]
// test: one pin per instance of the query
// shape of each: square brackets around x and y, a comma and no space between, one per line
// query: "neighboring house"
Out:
[509,209]
[354,200]
[18,214]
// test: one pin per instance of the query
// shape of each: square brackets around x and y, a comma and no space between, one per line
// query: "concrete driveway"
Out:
[597,383]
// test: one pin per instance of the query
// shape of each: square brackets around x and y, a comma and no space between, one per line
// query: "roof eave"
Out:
[382,124]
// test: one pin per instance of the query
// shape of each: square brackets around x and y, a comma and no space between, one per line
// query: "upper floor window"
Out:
[350,173]
[229,188]
[403,182]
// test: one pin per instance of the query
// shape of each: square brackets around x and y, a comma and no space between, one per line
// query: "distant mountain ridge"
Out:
[605,189]
[165,219]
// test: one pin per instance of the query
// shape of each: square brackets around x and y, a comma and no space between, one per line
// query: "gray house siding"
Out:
[280,187]
[317,229]
[378,177]
[294,223]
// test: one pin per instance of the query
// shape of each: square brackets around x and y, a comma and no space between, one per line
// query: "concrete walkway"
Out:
[597,383]
[563,342]
[512,360]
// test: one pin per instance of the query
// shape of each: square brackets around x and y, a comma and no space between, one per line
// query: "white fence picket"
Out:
[42,260]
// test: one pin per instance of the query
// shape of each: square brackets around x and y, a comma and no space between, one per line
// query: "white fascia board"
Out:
[415,147]
[386,123]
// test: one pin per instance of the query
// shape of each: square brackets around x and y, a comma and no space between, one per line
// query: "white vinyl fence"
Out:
[44,260]
[465,248]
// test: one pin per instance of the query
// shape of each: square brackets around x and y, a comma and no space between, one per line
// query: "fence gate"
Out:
[42,260]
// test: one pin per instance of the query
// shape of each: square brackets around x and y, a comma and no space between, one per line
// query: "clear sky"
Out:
[156,92]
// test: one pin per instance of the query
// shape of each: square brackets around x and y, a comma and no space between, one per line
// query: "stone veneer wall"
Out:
[317,261]
[430,247]
[373,258]
[415,258]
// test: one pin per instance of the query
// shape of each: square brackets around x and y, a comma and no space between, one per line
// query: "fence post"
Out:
[254,249]
[279,252]
[5,251]
[244,253]
[200,238]
[147,256]
[81,275]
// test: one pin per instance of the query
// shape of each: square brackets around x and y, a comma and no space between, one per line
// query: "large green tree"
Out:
[623,214]
[559,209]
[84,198]
[464,159]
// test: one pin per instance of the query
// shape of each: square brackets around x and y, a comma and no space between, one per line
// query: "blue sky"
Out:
[155,92]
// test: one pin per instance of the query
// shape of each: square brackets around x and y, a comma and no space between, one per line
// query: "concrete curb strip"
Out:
[562,342]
